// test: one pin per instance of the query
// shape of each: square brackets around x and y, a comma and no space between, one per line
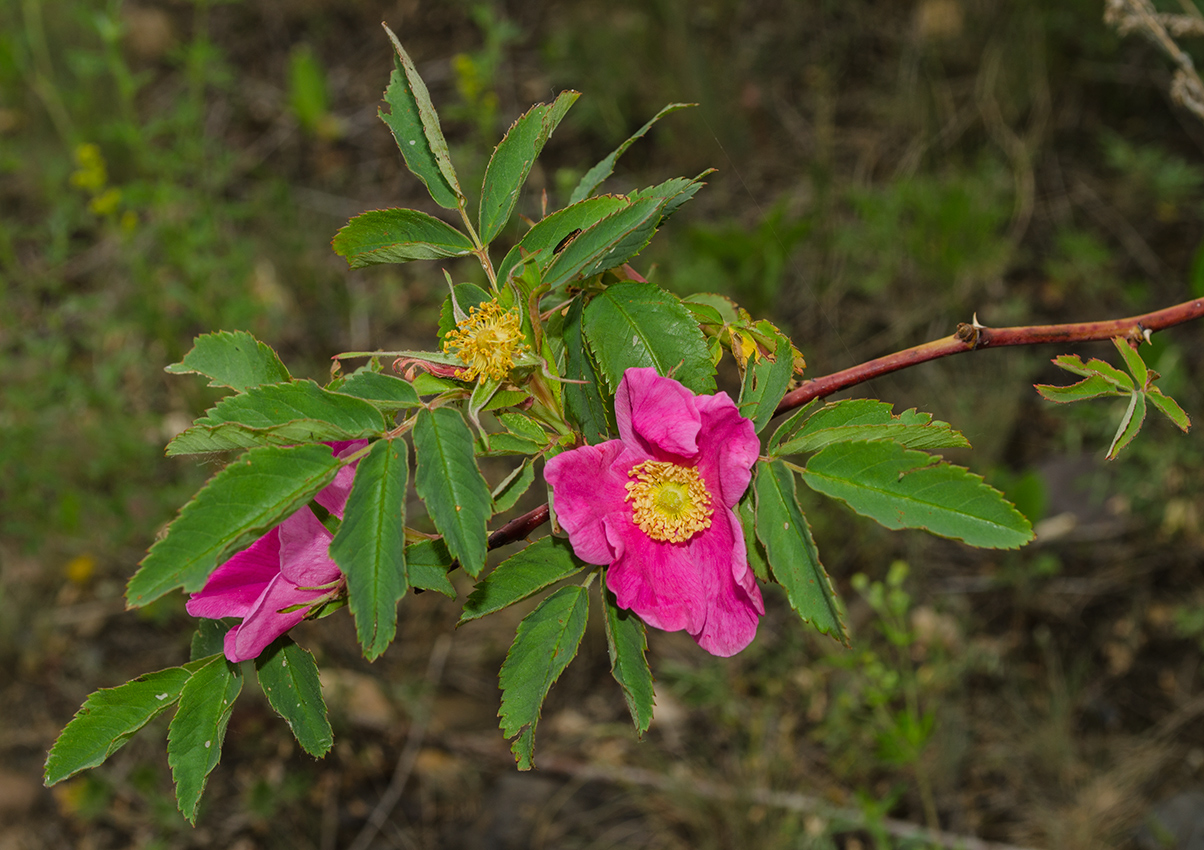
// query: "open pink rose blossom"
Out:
[656,505]
[273,583]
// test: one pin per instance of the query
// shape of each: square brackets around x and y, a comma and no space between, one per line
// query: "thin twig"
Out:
[971,337]
[409,754]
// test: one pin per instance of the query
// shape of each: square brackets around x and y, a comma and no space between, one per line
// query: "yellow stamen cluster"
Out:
[487,341]
[669,502]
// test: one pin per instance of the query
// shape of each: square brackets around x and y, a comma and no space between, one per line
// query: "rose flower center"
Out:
[487,341]
[669,502]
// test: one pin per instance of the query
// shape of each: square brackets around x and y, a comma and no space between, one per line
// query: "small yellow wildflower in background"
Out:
[90,173]
[487,341]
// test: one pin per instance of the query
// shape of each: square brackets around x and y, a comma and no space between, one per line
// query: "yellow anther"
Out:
[487,341]
[669,502]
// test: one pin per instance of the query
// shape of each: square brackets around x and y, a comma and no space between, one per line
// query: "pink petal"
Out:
[334,495]
[733,600]
[265,623]
[657,415]
[305,551]
[655,579]
[233,587]
[729,447]
[586,487]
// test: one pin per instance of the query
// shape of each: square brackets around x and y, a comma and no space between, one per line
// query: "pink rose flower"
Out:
[274,582]
[656,505]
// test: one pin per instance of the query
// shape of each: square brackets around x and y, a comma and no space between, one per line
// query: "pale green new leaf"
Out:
[109,718]
[546,642]
[1074,364]
[512,160]
[194,738]
[639,324]
[370,544]
[1133,362]
[416,129]
[525,573]
[447,479]
[398,236]
[1129,425]
[1094,386]
[791,551]
[240,503]
[236,360]
[288,676]
[1169,407]
[901,488]
[627,643]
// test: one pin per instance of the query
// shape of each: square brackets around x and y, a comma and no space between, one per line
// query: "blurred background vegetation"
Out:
[885,170]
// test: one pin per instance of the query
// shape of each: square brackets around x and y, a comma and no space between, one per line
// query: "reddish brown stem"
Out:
[971,337]
[519,527]
[967,337]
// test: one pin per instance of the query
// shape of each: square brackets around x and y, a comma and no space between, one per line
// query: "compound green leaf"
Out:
[427,563]
[624,227]
[583,401]
[370,544]
[447,479]
[542,564]
[627,643]
[240,503]
[194,738]
[901,488]
[757,559]
[209,638]
[793,558]
[1094,386]
[398,236]
[236,360]
[546,642]
[415,126]
[282,415]
[512,160]
[869,419]
[550,232]
[109,718]
[594,177]
[639,324]
[288,676]
[765,382]
[380,390]
[518,482]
